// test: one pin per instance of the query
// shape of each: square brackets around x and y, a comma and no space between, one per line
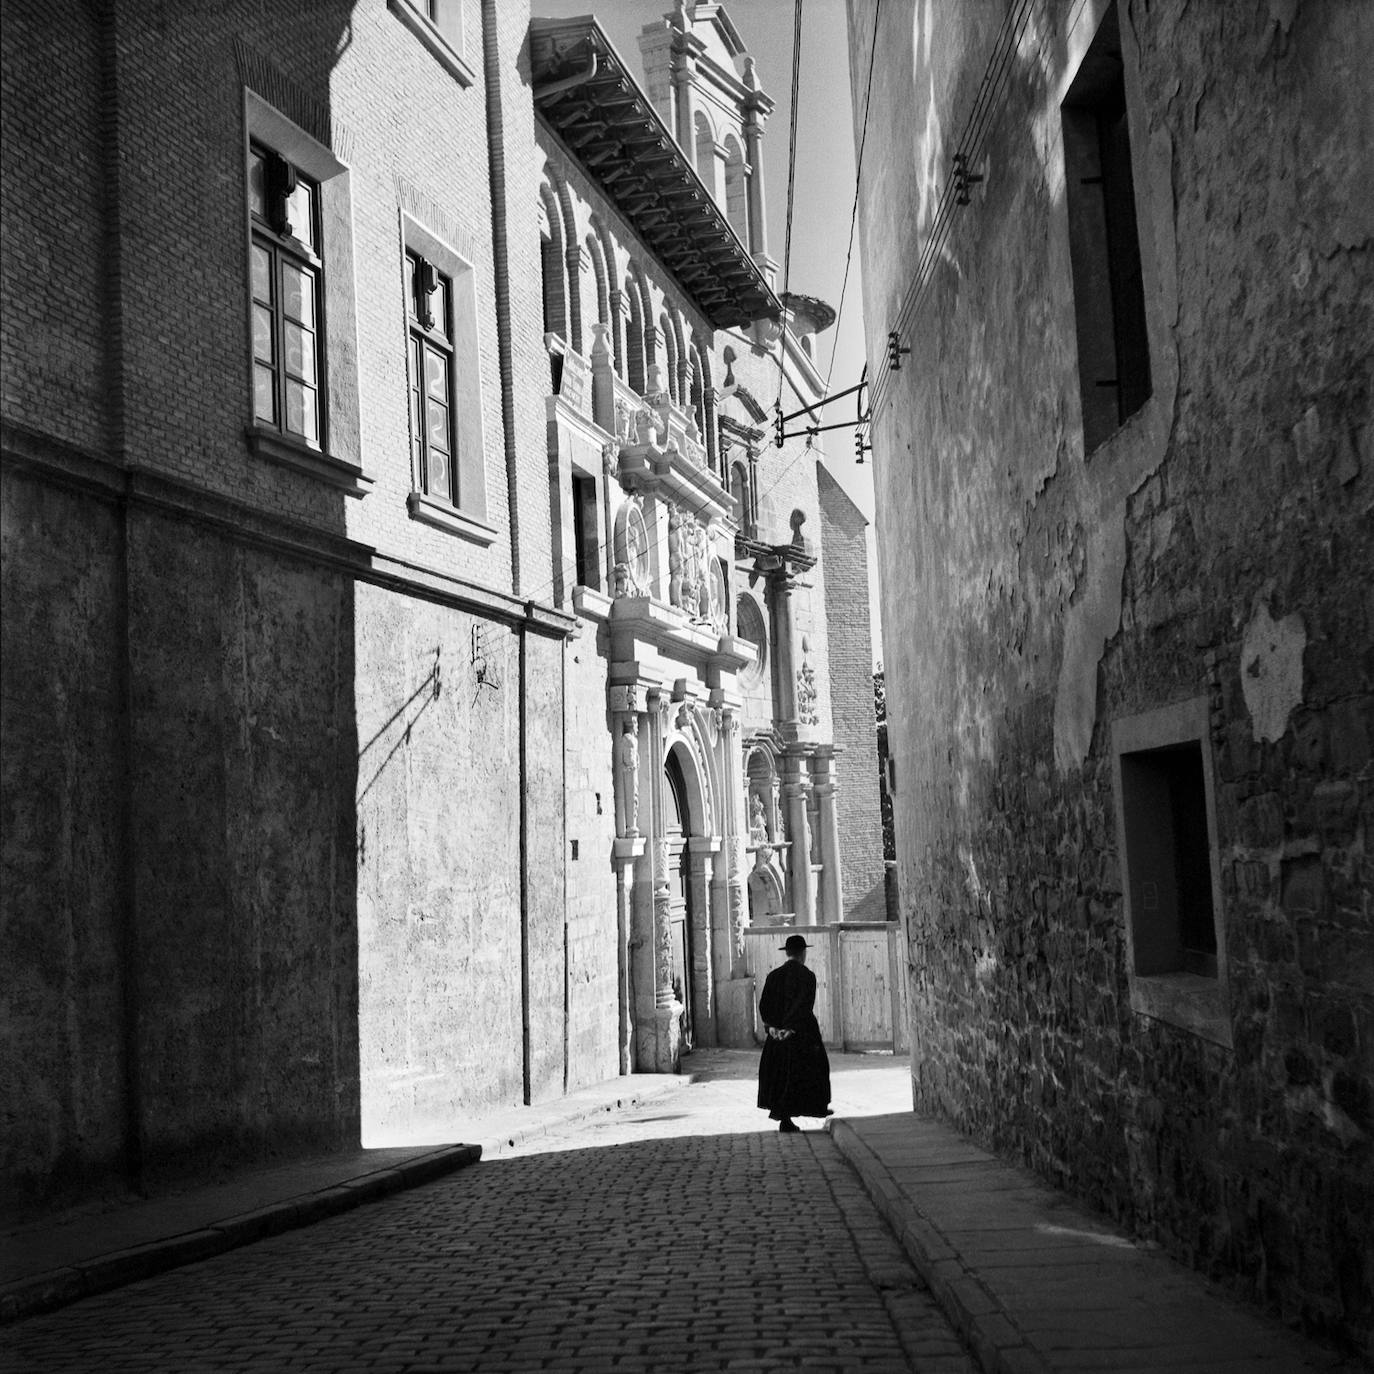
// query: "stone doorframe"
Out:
[649,721]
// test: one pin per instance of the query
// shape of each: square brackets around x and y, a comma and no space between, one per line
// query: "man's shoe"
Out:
[787,1125]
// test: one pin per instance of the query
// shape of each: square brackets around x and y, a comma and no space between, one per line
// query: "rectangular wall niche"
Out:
[1104,245]
[1171,877]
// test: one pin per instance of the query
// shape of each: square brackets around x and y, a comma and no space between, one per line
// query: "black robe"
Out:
[794,1074]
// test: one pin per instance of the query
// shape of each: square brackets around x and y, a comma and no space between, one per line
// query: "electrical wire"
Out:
[986,106]
[854,212]
[791,173]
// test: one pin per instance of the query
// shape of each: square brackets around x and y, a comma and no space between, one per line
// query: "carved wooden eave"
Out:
[584,92]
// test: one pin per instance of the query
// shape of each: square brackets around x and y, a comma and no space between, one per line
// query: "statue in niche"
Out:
[610,458]
[620,576]
[627,756]
[806,695]
[758,824]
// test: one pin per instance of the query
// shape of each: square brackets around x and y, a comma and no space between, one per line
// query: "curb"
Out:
[58,1288]
[991,1336]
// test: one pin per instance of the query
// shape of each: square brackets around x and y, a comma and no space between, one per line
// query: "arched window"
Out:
[572,266]
[739,489]
[670,361]
[553,264]
[706,152]
[736,190]
[602,287]
[636,354]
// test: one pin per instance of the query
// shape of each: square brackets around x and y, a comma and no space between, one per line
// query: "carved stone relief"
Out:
[630,575]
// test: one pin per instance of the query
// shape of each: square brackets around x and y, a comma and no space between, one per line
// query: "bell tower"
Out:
[703,83]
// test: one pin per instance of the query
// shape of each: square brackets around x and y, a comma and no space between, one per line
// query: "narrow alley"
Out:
[688,1235]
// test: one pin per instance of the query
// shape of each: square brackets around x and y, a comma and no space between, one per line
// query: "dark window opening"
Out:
[585,544]
[1169,860]
[1104,242]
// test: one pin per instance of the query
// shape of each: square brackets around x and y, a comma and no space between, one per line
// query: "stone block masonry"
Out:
[1210,557]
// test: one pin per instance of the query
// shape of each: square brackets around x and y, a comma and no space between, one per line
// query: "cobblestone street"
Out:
[684,1236]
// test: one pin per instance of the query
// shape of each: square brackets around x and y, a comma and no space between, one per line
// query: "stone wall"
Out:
[1217,546]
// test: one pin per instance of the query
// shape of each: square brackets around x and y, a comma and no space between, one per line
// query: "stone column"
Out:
[701,853]
[826,790]
[784,657]
[665,1050]
[685,101]
[796,785]
[736,835]
[626,852]
[756,109]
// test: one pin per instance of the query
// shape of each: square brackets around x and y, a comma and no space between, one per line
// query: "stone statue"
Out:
[758,825]
[627,756]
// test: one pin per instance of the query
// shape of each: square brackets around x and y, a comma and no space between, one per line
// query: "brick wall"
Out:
[325,801]
[1035,597]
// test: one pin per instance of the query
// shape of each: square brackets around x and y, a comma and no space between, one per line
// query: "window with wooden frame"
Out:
[429,319]
[443,384]
[288,299]
[1104,242]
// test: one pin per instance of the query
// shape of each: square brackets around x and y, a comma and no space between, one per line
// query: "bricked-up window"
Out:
[287,297]
[430,321]
[1171,877]
[1104,244]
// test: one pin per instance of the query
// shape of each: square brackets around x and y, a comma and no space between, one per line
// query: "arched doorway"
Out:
[677,832]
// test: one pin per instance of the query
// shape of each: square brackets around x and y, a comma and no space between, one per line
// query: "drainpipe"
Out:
[500,255]
[496,163]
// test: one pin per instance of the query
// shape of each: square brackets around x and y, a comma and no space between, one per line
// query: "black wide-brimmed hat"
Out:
[793,944]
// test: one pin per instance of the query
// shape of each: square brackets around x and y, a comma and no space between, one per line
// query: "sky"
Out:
[823,195]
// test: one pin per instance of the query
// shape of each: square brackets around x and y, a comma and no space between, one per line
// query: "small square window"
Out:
[1166,829]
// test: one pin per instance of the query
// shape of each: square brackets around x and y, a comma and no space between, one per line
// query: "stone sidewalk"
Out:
[58,1260]
[1034,1283]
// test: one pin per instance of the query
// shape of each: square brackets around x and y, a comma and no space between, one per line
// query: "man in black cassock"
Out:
[794,1072]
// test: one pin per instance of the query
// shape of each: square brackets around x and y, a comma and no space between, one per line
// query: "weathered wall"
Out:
[61,1005]
[242,795]
[1031,597]
[593,932]
[845,550]
[438,866]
